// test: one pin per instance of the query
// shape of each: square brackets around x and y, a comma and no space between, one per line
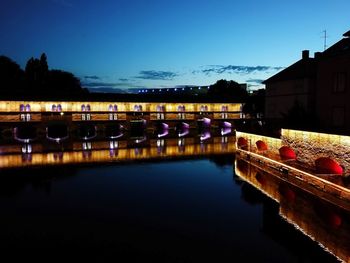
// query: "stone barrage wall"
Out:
[310,146]
[273,143]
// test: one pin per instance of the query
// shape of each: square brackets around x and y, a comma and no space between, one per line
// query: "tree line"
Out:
[36,79]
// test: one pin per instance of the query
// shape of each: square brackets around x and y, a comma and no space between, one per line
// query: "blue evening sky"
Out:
[162,43]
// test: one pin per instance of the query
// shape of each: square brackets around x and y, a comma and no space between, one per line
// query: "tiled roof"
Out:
[304,68]
[341,47]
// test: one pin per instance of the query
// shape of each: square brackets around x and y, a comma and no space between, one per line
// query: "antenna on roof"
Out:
[325,36]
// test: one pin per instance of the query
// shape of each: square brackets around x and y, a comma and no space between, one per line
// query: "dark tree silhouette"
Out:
[36,79]
[255,104]
[11,76]
[228,89]
[62,82]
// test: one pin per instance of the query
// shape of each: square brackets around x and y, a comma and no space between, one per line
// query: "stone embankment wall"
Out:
[273,143]
[310,146]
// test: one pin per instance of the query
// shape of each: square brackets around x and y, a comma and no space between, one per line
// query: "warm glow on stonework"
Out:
[76,106]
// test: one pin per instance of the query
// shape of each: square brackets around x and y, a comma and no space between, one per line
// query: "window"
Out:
[137,108]
[85,116]
[23,116]
[160,112]
[181,110]
[53,107]
[59,107]
[224,110]
[339,82]
[112,116]
[203,108]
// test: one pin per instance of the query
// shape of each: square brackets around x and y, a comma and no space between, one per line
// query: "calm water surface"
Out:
[164,211]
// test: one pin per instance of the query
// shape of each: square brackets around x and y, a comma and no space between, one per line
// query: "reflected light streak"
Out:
[205,136]
[184,132]
[225,131]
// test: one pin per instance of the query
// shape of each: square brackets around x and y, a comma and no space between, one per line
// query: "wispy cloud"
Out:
[108,90]
[124,80]
[234,69]
[156,75]
[92,77]
[108,85]
[258,81]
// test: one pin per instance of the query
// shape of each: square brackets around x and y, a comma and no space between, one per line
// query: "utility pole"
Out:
[325,36]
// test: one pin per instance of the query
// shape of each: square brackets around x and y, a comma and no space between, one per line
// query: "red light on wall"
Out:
[325,165]
[287,153]
[242,143]
[261,145]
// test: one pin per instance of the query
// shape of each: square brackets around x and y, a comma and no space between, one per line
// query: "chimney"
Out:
[317,55]
[305,54]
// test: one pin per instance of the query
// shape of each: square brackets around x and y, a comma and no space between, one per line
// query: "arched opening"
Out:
[113,131]
[25,133]
[57,132]
[137,128]
[87,131]
[21,108]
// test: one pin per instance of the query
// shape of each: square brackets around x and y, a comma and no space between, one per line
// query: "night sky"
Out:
[124,44]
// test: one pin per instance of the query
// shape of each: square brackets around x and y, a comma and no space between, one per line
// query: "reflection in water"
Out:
[105,151]
[26,148]
[205,135]
[173,211]
[323,222]
[225,131]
